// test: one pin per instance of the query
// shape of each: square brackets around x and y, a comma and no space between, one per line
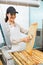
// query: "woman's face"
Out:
[11,17]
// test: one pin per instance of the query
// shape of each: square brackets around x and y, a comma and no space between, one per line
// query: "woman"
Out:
[14,29]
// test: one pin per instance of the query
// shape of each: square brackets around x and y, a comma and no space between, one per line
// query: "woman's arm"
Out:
[23,30]
[16,41]
[26,39]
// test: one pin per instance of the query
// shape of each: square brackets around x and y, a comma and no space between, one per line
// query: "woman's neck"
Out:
[11,23]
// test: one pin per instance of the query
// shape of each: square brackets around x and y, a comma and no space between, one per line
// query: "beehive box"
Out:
[24,58]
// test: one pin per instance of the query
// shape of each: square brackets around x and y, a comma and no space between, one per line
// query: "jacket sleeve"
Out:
[23,30]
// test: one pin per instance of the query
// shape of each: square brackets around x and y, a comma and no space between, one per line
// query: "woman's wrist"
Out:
[22,40]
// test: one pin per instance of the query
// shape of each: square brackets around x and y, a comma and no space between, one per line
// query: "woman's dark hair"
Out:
[10,10]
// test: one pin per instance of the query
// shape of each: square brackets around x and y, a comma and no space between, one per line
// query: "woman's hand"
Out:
[27,39]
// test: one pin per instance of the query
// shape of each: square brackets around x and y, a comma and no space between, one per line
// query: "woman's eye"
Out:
[12,17]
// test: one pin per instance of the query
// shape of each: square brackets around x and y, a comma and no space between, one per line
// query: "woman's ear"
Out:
[7,15]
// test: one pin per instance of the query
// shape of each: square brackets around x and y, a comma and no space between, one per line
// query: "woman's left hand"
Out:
[26,39]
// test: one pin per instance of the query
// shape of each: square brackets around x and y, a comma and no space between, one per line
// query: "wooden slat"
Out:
[19,63]
[39,55]
[34,60]
[19,58]
[37,58]
[1,62]
[25,59]
[28,57]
